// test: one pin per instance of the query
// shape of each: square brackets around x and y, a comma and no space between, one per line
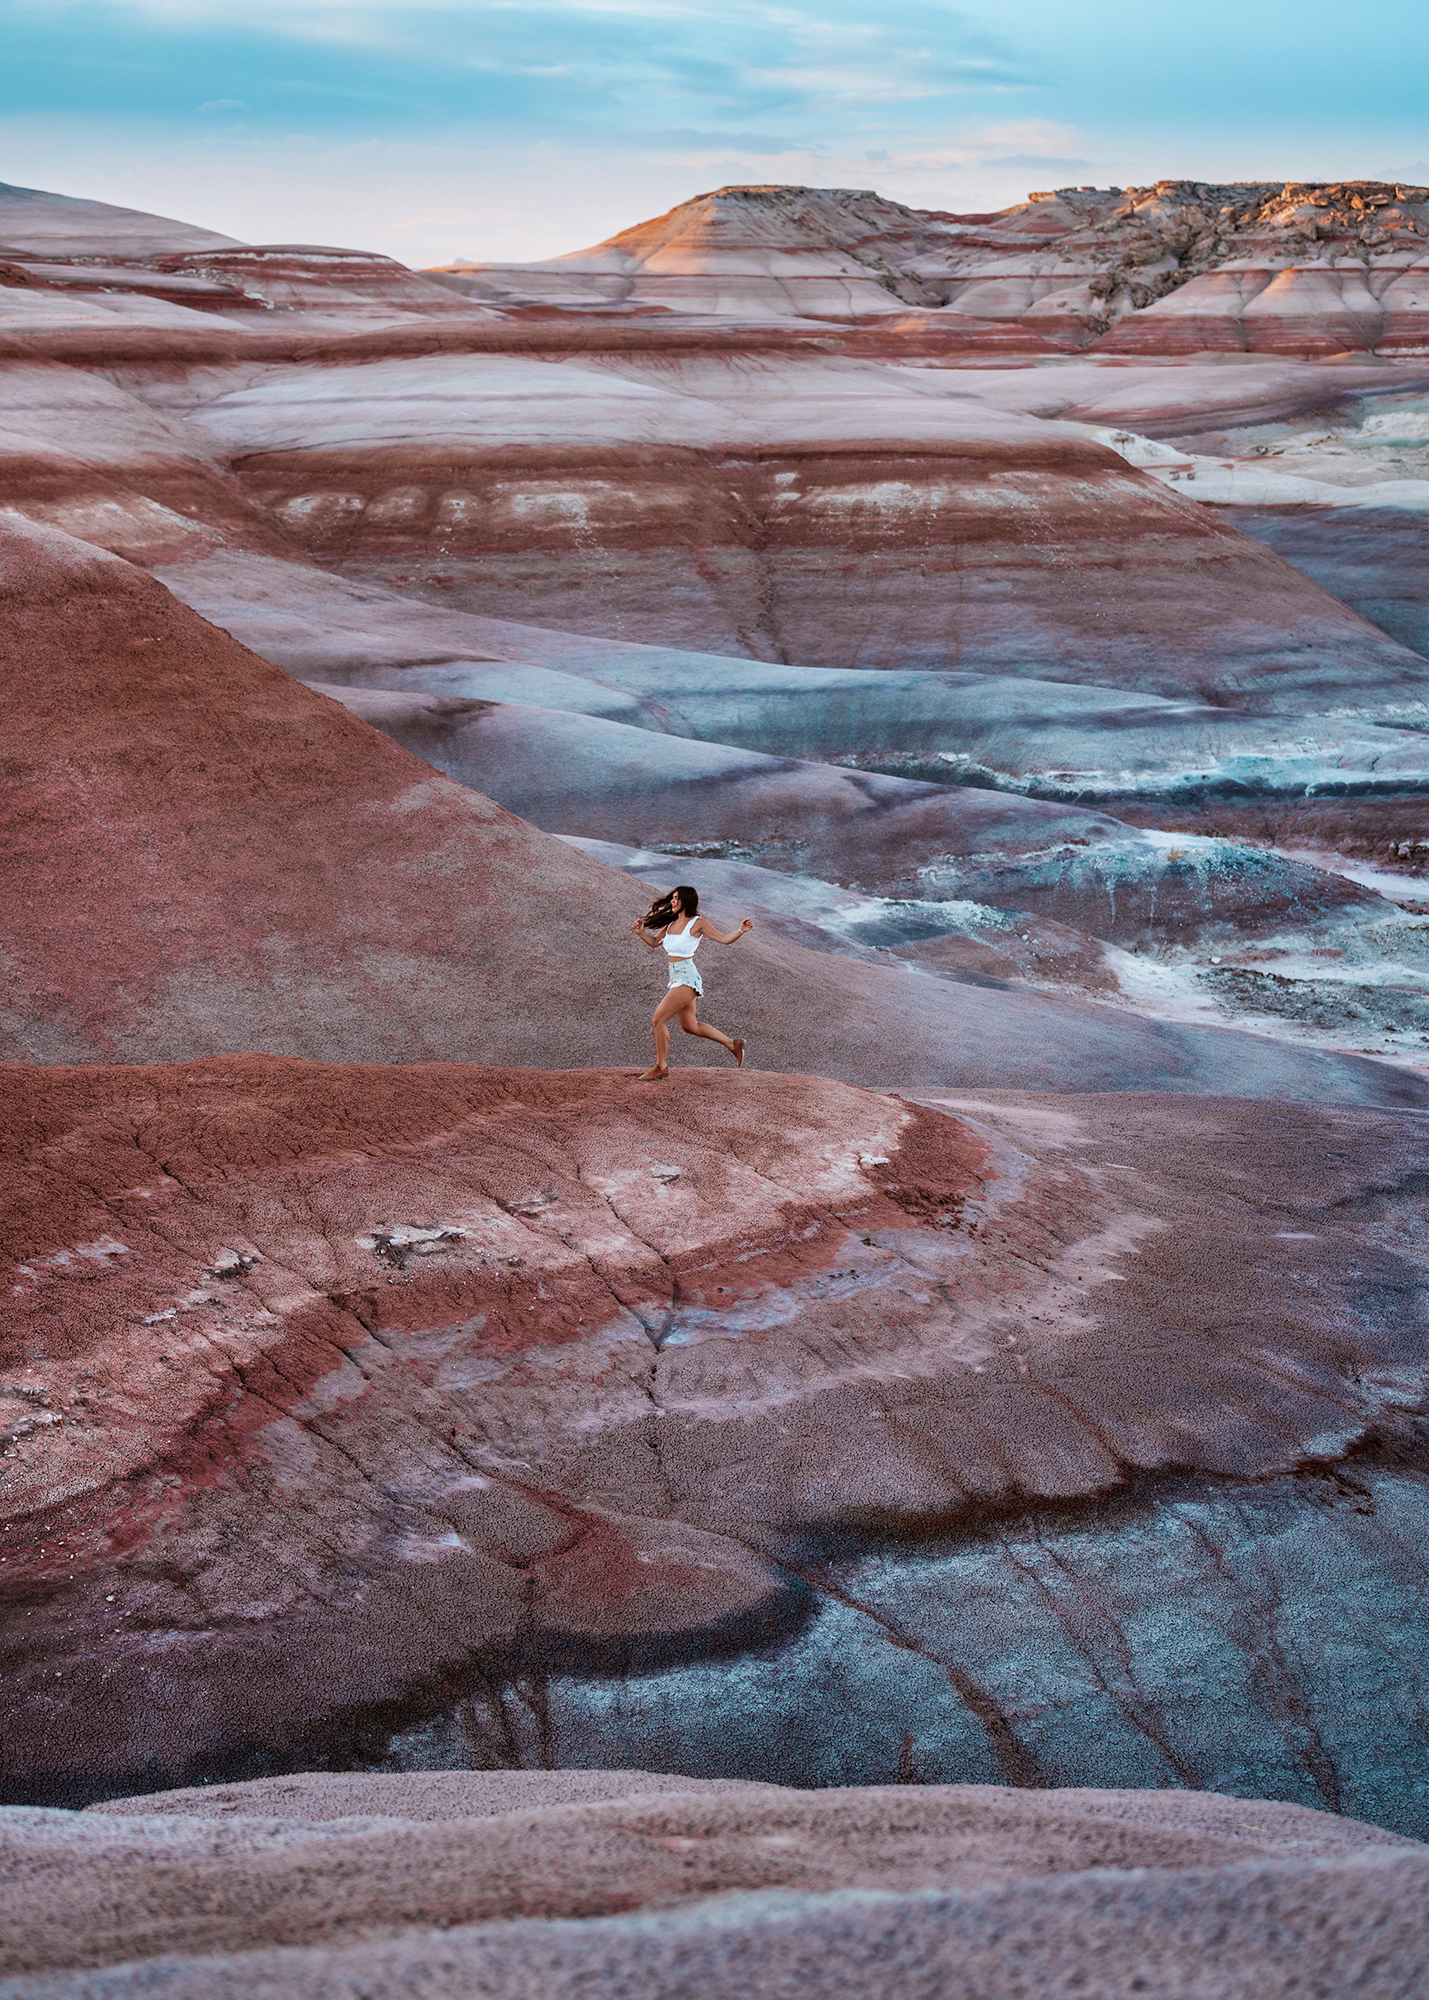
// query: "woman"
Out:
[678,926]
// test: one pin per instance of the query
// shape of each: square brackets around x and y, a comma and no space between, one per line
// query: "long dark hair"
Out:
[661,913]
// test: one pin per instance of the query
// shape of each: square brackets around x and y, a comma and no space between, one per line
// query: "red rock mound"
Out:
[199,853]
[877,1892]
[337,1393]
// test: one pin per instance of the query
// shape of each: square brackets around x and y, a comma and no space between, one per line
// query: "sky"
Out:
[515,129]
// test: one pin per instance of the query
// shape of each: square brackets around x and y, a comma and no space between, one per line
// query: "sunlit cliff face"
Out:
[1180,267]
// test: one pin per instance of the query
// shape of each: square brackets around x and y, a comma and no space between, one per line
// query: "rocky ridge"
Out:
[564,1881]
[1284,267]
[439,1416]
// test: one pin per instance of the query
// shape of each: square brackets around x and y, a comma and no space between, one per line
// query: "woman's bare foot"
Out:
[653,1076]
[738,1053]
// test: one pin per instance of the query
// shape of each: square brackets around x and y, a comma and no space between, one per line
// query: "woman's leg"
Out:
[679,1005]
[692,1025]
[673,1002]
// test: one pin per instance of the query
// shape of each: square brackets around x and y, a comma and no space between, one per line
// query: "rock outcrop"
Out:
[565,1882]
[751,1426]
[1306,268]
[830,253]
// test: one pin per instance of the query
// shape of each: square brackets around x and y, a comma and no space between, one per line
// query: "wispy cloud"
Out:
[1031,144]
[587,63]
[525,127]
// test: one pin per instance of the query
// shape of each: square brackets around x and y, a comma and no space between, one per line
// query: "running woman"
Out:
[678,926]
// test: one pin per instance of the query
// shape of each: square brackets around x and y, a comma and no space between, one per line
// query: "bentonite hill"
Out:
[941,1509]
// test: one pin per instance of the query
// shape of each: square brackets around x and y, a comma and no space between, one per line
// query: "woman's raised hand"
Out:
[638,925]
[747,925]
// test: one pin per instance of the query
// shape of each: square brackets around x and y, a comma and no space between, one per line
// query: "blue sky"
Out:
[530,127]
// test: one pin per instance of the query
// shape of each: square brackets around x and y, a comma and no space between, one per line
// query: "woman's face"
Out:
[675,904]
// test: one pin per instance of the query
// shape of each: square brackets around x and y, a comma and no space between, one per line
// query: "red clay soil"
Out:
[200,853]
[330,1387]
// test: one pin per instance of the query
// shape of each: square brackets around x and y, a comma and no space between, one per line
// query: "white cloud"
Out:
[524,128]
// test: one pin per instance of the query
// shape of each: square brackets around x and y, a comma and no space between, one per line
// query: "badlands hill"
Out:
[441,1416]
[78,275]
[1303,268]
[60,231]
[945,1501]
[201,855]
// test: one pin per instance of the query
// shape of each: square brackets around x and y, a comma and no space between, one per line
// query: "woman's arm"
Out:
[640,931]
[707,929]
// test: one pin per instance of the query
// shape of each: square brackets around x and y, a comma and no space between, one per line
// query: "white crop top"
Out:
[683,946]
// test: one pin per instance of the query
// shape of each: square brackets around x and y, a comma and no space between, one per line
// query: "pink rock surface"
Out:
[424,1797]
[705,501]
[37,224]
[82,454]
[1180,267]
[304,277]
[54,243]
[875,1892]
[178,289]
[341,1395]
